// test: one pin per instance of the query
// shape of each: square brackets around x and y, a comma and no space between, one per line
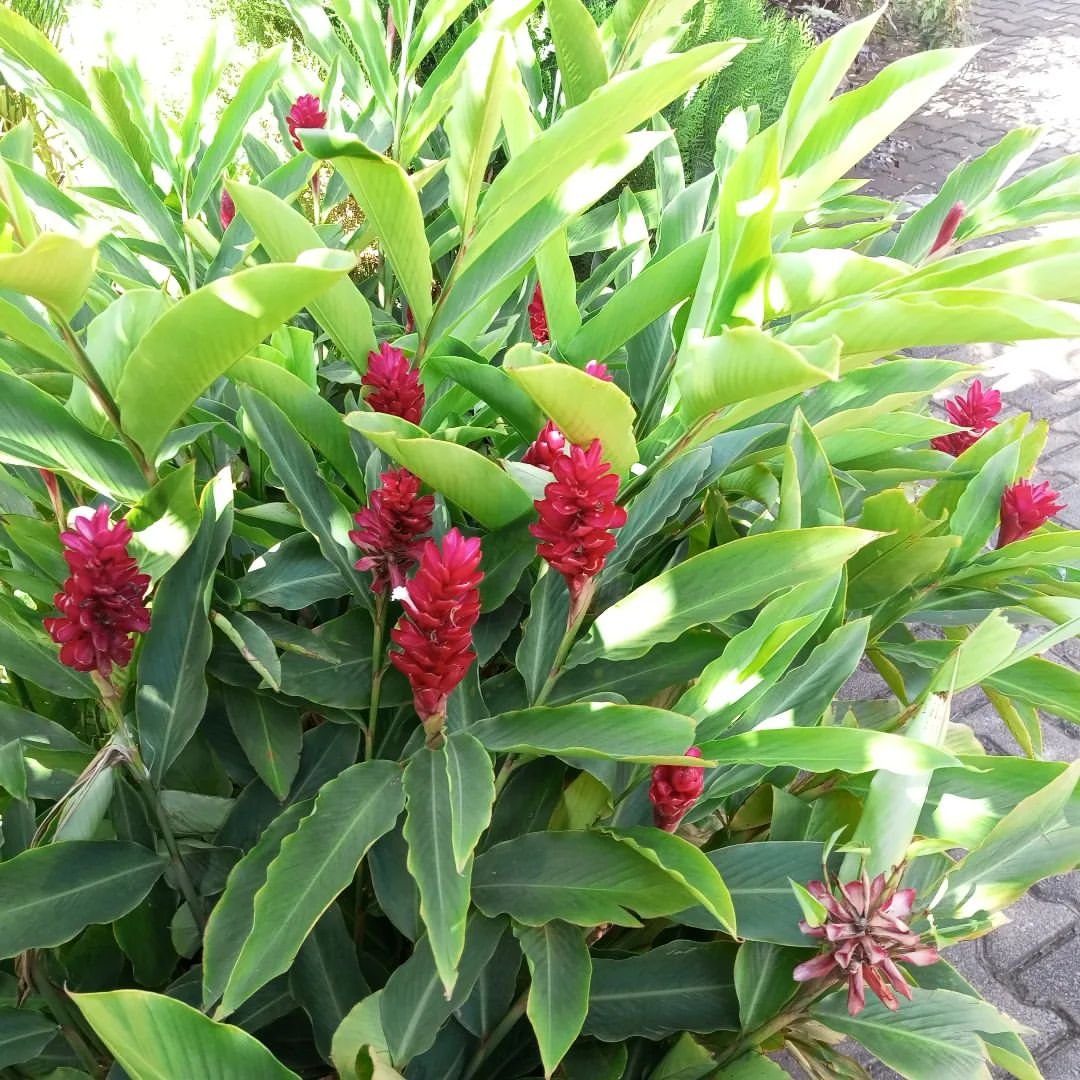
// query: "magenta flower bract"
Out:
[578,516]
[435,632]
[101,603]
[306,112]
[599,371]
[538,323]
[976,410]
[228,210]
[1024,508]
[549,445]
[673,790]
[395,385]
[949,225]
[390,529]
[868,935]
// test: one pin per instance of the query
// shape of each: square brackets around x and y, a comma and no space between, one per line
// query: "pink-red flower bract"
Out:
[538,323]
[599,371]
[673,790]
[306,112]
[578,516]
[434,635]
[976,410]
[867,932]
[228,210]
[101,603]
[949,225]
[549,445]
[1024,508]
[390,529]
[395,385]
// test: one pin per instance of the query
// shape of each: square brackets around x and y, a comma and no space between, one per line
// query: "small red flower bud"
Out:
[578,516]
[549,445]
[101,603]
[228,209]
[538,323]
[867,932]
[390,529]
[949,226]
[434,634]
[395,385]
[1024,508]
[306,113]
[598,371]
[974,410]
[674,789]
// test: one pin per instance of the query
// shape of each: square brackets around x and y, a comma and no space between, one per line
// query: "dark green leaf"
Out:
[23,1035]
[270,734]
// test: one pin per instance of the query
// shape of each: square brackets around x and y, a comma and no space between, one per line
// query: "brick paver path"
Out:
[1027,73]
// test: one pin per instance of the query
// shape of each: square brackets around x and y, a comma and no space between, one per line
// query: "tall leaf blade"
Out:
[172,691]
[154,1037]
[314,864]
[561,970]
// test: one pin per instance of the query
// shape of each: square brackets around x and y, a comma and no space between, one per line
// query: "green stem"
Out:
[635,483]
[104,398]
[378,670]
[498,1034]
[579,608]
[797,1007]
[69,1025]
[188,249]
[403,82]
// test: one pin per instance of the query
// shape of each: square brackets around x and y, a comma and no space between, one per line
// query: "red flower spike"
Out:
[435,632]
[538,323]
[578,516]
[101,603]
[228,210]
[549,445]
[598,371]
[949,226]
[1024,508]
[306,113]
[867,934]
[395,384]
[390,529]
[674,789]
[976,410]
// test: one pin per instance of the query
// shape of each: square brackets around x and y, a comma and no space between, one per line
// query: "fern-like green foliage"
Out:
[760,75]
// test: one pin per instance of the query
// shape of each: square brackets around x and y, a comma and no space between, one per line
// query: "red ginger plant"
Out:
[434,635]
[976,411]
[101,603]
[1026,507]
[391,528]
[394,384]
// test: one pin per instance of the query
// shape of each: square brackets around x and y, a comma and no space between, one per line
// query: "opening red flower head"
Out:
[228,209]
[306,113]
[538,323]
[578,516]
[101,603]
[599,371]
[949,225]
[394,384]
[434,635]
[390,529]
[867,932]
[674,789]
[1024,508]
[976,410]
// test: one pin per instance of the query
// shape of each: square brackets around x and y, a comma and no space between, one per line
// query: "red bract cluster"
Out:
[538,323]
[435,632]
[976,410]
[1024,508]
[550,445]
[867,933]
[390,529]
[598,371]
[306,113]
[228,210]
[394,383]
[674,789]
[578,515]
[949,226]
[101,604]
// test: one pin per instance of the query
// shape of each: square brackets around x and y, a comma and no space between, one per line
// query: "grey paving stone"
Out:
[1064,1063]
[1035,925]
